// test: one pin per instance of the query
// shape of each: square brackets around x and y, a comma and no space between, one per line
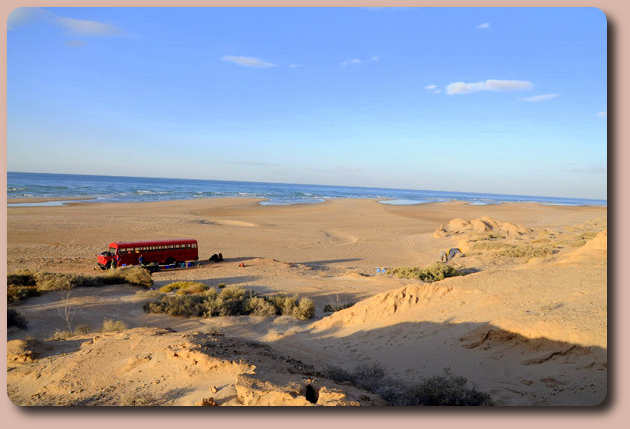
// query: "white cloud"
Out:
[248,62]
[83,27]
[357,61]
[541,97]
[351,61]
[295,66]
[23,15]
[488,85]
[430,87]
[603,114]
[484,26]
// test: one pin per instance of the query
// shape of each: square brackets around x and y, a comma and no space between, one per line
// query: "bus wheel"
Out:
[170,261]
[108,265]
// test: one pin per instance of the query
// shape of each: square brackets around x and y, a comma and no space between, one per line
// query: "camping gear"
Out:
[454,252]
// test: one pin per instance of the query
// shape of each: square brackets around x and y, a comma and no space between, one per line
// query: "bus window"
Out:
[194,245]
[122,251]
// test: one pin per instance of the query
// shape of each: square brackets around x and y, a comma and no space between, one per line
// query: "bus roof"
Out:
[151,243]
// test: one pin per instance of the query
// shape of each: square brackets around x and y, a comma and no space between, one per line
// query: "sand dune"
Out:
[529,331]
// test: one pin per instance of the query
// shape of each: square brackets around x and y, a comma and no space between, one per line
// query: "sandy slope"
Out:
[526,332]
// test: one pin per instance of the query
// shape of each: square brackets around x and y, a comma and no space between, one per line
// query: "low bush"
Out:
[111,325]
[336,304]
[526,251]
[231,301]
[431,273]
[65,334]
[17,293]
[21,278]
[491,246]
[24,284]
[15,319]
[134,276]
[184,288]
[447,389]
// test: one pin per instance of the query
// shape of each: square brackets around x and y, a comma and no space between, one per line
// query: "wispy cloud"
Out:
[488,85]
[432,88]
[541,97]
[248,62]
[484,26]
[357,61]
[75,43]
[603,114]
[350,62]
[82,27]
[295,66]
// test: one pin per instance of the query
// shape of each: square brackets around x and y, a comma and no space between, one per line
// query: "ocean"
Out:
[114,189]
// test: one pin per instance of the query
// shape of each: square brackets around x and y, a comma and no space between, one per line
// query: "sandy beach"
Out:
[525,330]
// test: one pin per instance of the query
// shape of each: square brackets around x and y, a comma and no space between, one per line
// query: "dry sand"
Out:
[526,332]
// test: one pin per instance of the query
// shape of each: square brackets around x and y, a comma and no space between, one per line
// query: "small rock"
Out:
[214,389]
[206,402]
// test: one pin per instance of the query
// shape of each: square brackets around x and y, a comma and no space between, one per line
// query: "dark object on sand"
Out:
[216,258]
[444,257]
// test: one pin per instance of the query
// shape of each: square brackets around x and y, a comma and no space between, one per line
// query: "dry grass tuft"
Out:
[111,325]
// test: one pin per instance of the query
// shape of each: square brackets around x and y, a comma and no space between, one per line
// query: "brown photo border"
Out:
[610,414]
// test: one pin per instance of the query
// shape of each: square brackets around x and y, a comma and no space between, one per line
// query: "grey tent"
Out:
[454,252]
[444,257]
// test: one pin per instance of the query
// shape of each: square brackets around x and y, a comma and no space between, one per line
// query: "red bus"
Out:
[161,252]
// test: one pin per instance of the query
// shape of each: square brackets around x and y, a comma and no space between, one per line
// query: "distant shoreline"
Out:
[74,201]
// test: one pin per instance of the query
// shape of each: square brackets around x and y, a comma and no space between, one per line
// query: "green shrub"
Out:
[526,251]
[305,309]
[491,246]
[169,287]
[134,276]
[184,287]
[111,325]
[15,319]
[258,306]
[192,288]
[541,240]
[442,390]
[21,278]
[336,304]
[432,273]
[61,335]
[82,330]
[54,281]
[24,284]
[231,301]
[17,293]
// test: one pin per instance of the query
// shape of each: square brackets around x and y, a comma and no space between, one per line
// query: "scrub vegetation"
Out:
[440,390]
[231,301]
[431,273]
[25,284]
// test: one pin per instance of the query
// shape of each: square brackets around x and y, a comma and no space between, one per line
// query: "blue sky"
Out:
[500,100]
